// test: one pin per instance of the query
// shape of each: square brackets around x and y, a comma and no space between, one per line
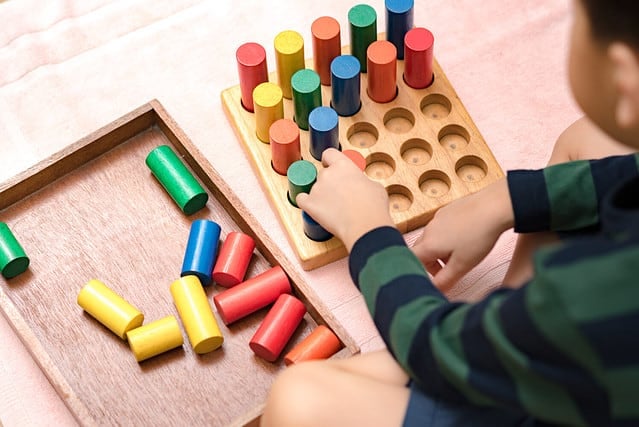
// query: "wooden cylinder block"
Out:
[196,314]
[252,294]
[284,137]
[399,20]
[382,71]
[362,20]
[233,260]
[418,58]
[155,338]
[322,343]
[289,57]
[327,45]
[252,70]
[269,108]
[278,327]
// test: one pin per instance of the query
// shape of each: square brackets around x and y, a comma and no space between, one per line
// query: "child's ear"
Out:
[625,62]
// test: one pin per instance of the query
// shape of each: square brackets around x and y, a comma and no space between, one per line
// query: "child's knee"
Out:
[297,387]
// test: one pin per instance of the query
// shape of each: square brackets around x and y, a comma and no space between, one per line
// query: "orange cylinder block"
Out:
[322,343]
[381,59]
[327,46]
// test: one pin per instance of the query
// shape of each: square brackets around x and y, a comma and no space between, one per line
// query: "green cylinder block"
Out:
[13,260]
[362,20]
[176,179]
[301,175]
[307,95]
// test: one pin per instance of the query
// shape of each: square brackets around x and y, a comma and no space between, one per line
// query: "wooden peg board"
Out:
[423,147]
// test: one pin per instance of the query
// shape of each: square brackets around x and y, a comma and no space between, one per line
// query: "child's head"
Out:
[604,65]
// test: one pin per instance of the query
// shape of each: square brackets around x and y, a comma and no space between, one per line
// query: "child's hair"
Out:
[614,20]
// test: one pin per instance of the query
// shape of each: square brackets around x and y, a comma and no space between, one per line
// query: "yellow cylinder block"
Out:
[289,58]
[109,308]
[196,314]
[155,338]
[268,106]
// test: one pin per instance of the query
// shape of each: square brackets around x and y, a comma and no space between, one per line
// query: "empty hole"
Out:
[416,151]
[362,135]
[380,166]
[454,137]
[435,106]
[434,183]
[399,120]
[400,198]
[471,169]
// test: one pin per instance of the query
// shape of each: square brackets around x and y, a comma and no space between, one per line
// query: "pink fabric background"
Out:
[68,67]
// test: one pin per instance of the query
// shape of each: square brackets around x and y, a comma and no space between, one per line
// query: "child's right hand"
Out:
[344,200]
[462,233]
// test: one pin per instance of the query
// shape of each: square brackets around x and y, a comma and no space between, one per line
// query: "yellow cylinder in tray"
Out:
[155,338]
[196,314]
[109,308]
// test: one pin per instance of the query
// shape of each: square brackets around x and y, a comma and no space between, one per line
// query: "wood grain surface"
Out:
[95,211]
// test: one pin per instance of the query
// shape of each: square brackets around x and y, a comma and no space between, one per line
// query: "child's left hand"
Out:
[344,200]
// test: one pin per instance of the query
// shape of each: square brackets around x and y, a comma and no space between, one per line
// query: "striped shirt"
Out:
[563,348]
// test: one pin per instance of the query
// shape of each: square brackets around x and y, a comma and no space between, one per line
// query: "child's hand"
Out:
[344,200]
[462,233]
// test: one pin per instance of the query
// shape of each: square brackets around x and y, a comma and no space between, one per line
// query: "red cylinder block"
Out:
[252,70]
[327,46]
[381,59]
[284,135]
[278,327]
[356,157]
[418,58]
[233,259]
[252,294]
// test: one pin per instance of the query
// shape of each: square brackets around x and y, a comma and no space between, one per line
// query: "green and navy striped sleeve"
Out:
[545,349]
[566,196]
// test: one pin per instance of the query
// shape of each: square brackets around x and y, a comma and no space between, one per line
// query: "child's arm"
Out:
[558,198]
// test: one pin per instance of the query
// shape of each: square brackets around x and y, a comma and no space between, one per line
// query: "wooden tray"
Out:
[95,211]
[423,147]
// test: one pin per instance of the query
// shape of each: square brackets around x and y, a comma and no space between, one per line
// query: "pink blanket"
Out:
[69,67]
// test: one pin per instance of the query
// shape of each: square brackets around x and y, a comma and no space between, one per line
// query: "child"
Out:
[559,349]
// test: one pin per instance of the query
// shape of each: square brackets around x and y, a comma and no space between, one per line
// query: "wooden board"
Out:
[94,210]
[423,147]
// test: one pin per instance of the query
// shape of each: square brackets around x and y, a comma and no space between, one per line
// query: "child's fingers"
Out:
[330,156]
[300,200]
